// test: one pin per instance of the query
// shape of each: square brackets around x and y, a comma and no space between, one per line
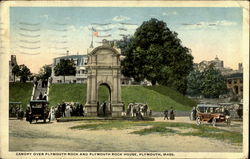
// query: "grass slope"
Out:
[157,101]
[173,94]
[67,93]
[157,97]
[20,92]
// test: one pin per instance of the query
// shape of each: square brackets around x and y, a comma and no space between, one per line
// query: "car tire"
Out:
[198,121]
[214,122]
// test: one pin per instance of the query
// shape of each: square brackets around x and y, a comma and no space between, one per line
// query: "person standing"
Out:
[172,113]
[104,108]
[40,96]
[63,109]
[166,114]
[45,96]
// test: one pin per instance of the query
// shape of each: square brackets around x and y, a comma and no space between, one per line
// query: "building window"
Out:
[74,81]
[229,81]
[241,89]
[235,81]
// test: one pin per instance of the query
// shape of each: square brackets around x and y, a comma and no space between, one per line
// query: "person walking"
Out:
[166,114]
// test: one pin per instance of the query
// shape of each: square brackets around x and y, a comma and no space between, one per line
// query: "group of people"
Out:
[16,112]
[41,82]
[171,114]
[67,110]
[138,110]
[42,96]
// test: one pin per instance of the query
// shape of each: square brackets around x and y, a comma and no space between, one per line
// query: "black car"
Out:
[38,110]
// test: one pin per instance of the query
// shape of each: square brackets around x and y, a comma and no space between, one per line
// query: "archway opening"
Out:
[104,101]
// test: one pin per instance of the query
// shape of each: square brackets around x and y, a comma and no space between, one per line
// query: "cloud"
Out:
[226,23]
[120,18]
[211,25]
[169,13]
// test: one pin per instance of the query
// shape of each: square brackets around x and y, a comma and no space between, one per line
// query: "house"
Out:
[80,62]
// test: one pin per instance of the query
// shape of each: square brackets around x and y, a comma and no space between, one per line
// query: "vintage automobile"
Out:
[211,113]
[38,111]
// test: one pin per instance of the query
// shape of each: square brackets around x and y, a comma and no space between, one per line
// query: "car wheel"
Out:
[198,121]
[214,122]
[30,121]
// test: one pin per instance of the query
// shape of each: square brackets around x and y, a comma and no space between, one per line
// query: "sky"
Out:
[39,34]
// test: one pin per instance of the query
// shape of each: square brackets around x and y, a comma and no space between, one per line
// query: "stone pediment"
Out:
[103,47]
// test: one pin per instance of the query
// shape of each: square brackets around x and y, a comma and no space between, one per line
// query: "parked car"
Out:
[211,113]
[38,111]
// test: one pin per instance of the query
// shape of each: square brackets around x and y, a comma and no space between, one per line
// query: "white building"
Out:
[80,64]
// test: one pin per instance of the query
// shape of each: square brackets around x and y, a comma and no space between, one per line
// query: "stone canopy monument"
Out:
[104,68]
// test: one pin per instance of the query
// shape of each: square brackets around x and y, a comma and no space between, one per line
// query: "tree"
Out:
[155,53]
[195,79]
[15,71]
[45,72]
[123,43]
[24,73]
[65,68]
[213,83]
[209,83]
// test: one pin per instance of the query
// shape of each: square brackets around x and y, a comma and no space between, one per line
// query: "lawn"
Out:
[20,92]
[157,97]
[164,128]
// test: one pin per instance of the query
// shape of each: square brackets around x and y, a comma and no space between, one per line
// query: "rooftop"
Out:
[71,57]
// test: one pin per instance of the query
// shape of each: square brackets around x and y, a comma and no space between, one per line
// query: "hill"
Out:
[157,97]
[20,92]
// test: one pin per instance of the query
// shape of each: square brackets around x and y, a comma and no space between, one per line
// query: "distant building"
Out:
[219,65]
[80,64]
[12,63]
[235,84]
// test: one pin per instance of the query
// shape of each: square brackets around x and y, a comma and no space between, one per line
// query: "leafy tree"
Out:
[155,53]
[123,43]
[24,73]
[213,83]
[65,68]
[15,71]
[209,83]
[45,72]
[195,79]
